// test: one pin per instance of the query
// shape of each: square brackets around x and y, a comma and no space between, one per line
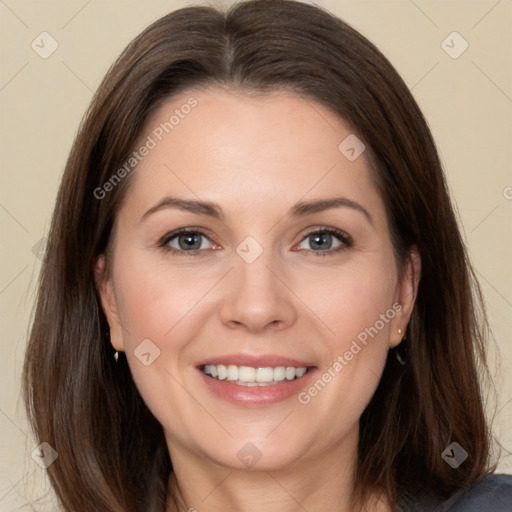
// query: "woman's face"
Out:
[288,266]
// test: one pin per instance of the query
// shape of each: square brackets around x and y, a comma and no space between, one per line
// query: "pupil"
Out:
[189,241]
[321,241]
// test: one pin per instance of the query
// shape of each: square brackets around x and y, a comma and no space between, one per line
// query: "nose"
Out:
[256,297]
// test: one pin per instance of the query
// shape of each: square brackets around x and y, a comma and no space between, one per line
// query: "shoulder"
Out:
[492,493]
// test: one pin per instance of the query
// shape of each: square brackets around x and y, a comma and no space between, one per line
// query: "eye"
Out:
[321,242]
[324,241]
[185,240]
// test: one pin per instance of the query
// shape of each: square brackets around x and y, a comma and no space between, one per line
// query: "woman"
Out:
[255,294]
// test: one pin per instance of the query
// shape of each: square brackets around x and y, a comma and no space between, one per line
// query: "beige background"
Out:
[467,101]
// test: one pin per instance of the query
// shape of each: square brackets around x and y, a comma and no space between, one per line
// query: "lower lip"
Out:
[256,396]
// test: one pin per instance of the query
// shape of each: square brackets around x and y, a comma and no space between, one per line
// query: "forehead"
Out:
[247,148]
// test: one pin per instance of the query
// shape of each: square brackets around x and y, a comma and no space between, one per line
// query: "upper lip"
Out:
[255,361]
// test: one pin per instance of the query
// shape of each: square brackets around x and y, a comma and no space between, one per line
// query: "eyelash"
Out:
[346,241]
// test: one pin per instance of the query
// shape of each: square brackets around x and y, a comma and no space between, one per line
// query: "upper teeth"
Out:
[246,375]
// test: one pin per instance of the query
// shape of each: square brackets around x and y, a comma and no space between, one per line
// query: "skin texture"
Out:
[256,156]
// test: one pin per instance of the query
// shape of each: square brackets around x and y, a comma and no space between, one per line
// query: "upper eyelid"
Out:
[176,232]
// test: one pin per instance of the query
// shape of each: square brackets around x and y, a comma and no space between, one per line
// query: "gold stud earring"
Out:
[401,350]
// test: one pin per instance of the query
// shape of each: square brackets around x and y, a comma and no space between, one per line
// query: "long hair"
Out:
[88,408]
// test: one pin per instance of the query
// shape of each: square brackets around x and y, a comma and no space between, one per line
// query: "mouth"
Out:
[255,381]
[251,376]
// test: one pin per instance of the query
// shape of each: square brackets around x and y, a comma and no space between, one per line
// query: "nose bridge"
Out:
[256,297]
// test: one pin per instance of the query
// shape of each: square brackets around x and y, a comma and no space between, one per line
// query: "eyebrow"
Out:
[300,209]
[198,207]
[309,207]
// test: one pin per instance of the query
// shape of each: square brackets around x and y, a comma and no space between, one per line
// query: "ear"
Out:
[405,296]
[105,289]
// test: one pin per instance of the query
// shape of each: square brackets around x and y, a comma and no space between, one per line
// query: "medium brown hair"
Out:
[88,408]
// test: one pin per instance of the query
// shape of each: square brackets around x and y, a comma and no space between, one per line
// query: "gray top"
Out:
[492,494]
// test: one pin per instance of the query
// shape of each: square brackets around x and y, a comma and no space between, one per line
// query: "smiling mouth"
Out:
[250,376]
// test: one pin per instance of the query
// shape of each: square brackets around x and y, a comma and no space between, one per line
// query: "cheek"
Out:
[163,304]
[155,298]
[350,301]
[357,307]
[157,305]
